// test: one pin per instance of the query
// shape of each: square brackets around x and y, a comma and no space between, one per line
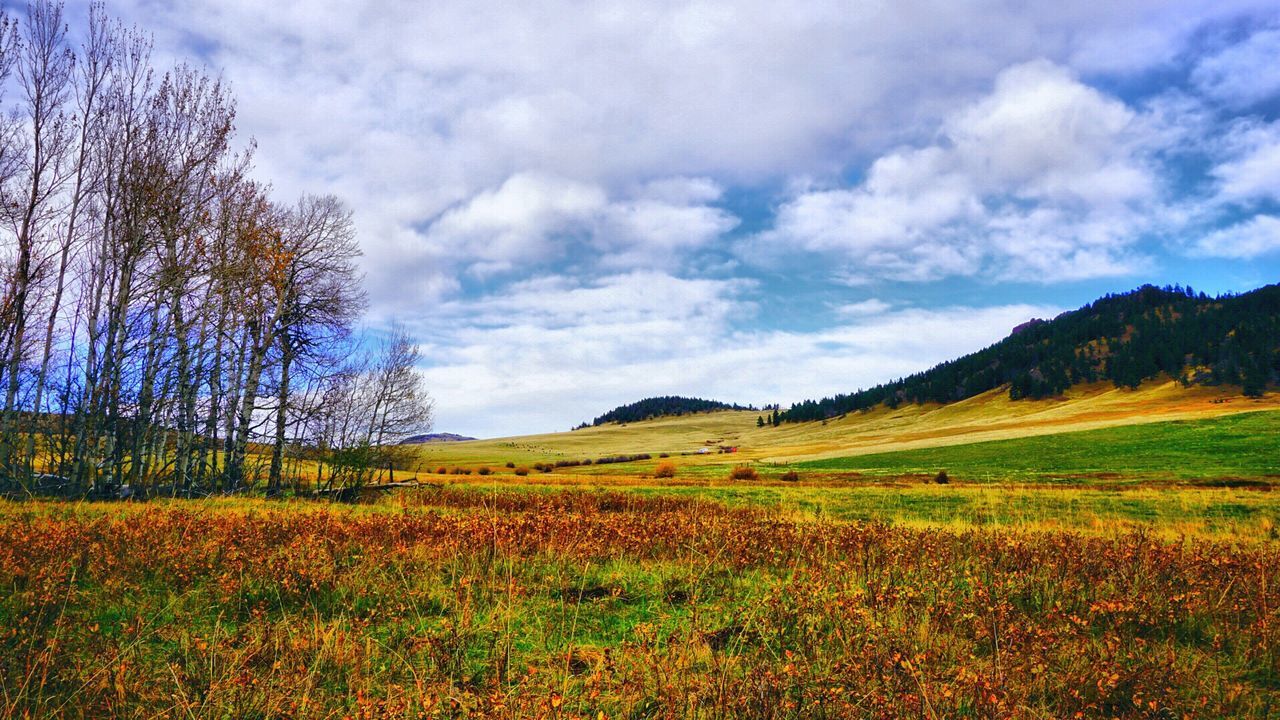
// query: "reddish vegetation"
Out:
[262,610]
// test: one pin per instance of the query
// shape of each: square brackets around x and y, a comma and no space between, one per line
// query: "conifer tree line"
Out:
[665,406]
[1124,339]
[165,323]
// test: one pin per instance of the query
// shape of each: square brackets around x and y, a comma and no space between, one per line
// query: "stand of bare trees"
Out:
[164,324]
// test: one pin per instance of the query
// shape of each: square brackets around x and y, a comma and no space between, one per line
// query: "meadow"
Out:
[1127,570]
[586,604]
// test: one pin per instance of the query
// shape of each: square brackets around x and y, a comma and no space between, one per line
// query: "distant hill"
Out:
[669,405]
[434,438]
[1124,339]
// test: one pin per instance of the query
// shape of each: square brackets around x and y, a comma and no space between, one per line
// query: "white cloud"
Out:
[1253,173]
[1043,179]
[531,180]
[1260,235]
[532,221]
[873,306]
[515,223]
[1244,73]
[554,352]
[410,111]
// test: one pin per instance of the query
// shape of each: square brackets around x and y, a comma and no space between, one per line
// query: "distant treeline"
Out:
[1126,339]
[662,407]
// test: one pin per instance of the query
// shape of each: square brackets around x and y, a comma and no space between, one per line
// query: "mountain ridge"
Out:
[1126,338]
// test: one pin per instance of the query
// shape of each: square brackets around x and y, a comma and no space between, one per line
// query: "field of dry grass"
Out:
[458,603]
[841,580]
[991,416]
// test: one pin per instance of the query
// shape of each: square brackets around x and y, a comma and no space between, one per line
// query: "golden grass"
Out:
[991,416]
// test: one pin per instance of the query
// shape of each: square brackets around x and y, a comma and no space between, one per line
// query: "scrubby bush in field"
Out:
[789,476]
[665,470]
[941,478]
[442,470]
[522,471]
[483,471]
[510,464]
[744,472]
[613,459]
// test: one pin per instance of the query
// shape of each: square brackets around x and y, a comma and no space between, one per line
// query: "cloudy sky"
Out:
[575,205]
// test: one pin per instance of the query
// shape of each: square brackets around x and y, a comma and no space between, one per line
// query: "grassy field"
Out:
[987,417]
[1105,563]
[573,604]
[1224,449]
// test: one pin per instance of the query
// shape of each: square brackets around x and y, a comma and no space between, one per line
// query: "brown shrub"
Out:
[744,472]
[483,471]
[522,471]
[789,476]
[665,470]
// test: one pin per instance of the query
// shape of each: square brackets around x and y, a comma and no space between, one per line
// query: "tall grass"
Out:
[577,604]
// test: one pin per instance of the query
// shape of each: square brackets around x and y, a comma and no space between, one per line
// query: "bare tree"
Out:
[44,69]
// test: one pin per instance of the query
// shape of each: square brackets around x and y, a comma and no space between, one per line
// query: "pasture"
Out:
[1112,570]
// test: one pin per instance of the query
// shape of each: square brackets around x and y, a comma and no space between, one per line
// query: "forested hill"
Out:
[1127,338]
[661,407]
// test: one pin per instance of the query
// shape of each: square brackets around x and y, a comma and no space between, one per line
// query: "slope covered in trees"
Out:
[656,407]
[1125,338]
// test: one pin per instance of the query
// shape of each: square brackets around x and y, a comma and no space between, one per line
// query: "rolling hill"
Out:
[1124,339]
[657,407]
[991,417]
[1150,360]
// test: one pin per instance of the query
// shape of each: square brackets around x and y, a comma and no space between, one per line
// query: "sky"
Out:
[574,205]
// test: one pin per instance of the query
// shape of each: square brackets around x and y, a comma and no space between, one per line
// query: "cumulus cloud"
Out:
[553,352]
[1253,171]
[412,112]
[533,220]
[1244,73]
[1260,235]
[1043,179]
[552,193]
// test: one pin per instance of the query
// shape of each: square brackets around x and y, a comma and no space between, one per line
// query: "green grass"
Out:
[1221,513]
[1236,446]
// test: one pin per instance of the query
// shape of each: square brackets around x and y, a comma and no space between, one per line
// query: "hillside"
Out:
[434,437]
[1123,339]
[989,416]
[656,407]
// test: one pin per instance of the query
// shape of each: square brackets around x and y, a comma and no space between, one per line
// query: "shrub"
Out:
[790,476]
[510,464]
[442,470]
[522,471]
[743,472]
[665,470]
[664,455]
[941,478]
[483,471]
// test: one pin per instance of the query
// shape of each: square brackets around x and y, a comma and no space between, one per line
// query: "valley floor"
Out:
[1115,557]
[459,602]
